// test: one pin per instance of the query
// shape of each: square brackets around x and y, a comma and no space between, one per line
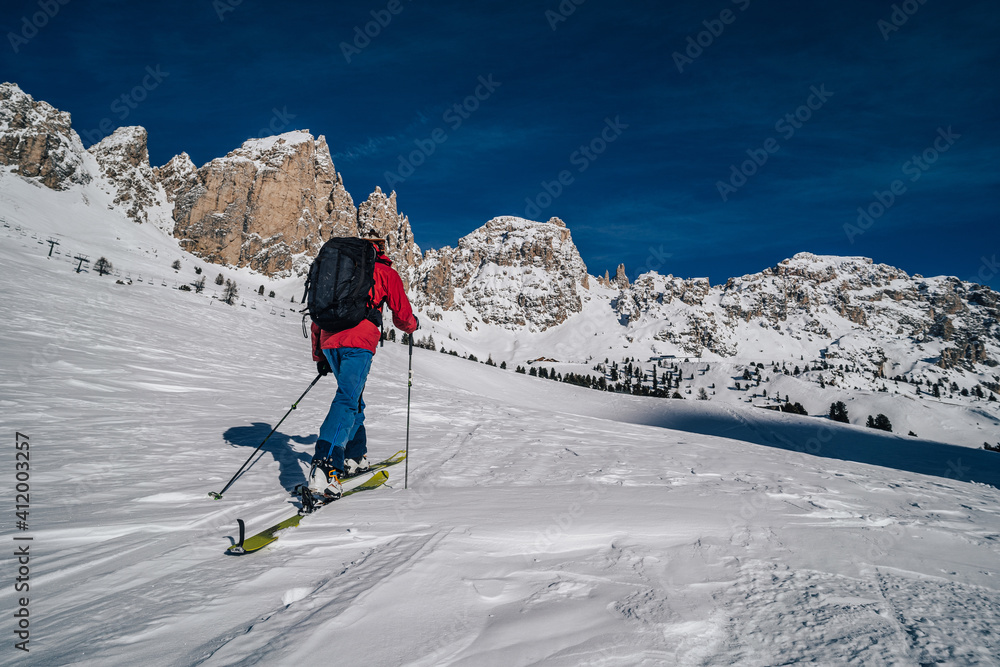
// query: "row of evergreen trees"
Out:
[838,413]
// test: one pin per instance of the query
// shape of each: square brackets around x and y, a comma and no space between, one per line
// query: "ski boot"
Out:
[325,480]
[354,467]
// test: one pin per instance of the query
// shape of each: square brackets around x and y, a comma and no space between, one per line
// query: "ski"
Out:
[398,457]
[265,537]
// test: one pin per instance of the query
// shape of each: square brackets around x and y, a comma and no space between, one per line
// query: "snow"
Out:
[543,523]
[122,137]
[265,144]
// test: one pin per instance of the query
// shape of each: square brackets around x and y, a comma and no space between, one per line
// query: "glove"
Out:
[416,320]
[323,367]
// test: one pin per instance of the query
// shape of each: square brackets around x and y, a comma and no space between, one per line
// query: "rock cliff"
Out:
[268,205]
[174,175]
[36,140]
[123,162]
[377,216]
[511,273]
[843,306]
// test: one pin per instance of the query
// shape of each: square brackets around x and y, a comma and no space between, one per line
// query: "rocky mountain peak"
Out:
[378,217]
[846,307]
[37,141]
[174,174]
[621,280]
[269,205]
[123,161]
[510,272]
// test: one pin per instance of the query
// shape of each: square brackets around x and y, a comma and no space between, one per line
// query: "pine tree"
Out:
[176,266]
[219,280]
[199,285]
[882,423]
[103,266]
[838,412]
[230,293]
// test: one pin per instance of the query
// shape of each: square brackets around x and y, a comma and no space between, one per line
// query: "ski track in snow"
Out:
[542,525]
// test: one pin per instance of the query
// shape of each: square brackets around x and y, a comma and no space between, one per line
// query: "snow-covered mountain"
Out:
[37,140]
[543,523]
[517,290]
[266,205]
[834,302]
[511,272]
[124,171]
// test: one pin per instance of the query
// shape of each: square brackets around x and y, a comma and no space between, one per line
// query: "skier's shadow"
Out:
[279,446]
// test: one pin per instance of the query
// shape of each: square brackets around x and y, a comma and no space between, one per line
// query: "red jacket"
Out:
[388,286]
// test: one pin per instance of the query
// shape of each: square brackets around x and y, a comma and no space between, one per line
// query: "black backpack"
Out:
[337,290]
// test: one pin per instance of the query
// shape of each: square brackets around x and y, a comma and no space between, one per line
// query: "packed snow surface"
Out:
[542,523]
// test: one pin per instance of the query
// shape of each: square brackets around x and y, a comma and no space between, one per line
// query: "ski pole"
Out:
[244,468]
[409,388]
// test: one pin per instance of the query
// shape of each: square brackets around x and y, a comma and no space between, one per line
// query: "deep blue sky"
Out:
[651,198]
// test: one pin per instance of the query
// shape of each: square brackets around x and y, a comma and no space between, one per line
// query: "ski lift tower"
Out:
[52,245]
[81,258]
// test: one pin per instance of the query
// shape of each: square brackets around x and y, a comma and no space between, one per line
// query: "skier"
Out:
[342,445]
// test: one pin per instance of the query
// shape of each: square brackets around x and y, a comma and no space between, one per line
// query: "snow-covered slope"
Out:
[543,523]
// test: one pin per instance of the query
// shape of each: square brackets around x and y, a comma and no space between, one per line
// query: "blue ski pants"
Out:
[342,434]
